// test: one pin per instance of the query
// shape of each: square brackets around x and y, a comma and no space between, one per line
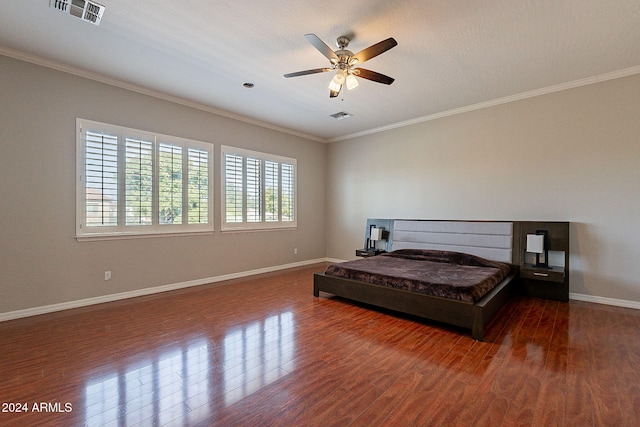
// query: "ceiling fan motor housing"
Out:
[343,42]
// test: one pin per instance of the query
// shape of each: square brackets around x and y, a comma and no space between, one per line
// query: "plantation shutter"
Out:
[101,180]
[132,182]
[139,182]
[170,183]
[198,191]
[254,190]
[272,191]
[233,188]
[288,192]
[259,190]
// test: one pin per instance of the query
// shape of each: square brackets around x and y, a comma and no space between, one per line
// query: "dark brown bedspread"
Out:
[445,274]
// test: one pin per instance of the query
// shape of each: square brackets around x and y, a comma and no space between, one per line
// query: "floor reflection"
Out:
[254,355]
[186,382]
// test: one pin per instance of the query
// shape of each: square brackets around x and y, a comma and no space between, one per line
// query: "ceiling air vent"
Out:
[86,10]
[341,115]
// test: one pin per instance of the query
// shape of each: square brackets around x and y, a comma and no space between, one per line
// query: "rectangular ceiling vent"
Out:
[88,11]
[341,115]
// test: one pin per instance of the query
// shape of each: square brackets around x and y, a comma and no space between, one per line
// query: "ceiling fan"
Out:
[343,62]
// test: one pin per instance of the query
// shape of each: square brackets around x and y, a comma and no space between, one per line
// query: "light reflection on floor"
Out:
[254,355]
[188,381]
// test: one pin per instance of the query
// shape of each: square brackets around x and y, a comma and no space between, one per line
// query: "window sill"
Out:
[244,229]
[129,236]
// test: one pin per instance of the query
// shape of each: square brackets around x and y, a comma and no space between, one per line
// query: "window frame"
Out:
[156,228]
[263,224]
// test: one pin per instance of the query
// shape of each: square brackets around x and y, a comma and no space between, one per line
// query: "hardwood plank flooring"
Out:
[262,351]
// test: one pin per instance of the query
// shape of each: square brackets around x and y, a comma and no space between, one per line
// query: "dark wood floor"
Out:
[264,352]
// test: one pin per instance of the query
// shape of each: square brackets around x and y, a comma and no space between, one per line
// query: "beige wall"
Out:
[42,264]
[571,155]
[568,156]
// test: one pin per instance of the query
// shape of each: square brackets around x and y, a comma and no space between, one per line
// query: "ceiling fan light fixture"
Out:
[333,87]
[352,82]
[337,81]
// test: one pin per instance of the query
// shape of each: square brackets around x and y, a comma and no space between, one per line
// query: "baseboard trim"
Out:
[606,301]
[35,311]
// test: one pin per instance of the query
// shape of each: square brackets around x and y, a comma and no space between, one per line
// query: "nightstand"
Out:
[551,283]
[367,253]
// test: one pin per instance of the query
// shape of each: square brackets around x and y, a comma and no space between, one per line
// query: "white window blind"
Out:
[101,176]
[132,183]
[288,192]
[272,191]
[254,189]
[139,182]
[234,185]
[198,204]
[170,182]
[259,190]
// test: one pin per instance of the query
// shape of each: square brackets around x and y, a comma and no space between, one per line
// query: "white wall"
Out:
[568,156]
[42,264]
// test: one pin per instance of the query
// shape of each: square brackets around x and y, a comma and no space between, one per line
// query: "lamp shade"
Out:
[376,234]
[535,243]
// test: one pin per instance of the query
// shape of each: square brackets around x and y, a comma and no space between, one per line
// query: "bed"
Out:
[382,280]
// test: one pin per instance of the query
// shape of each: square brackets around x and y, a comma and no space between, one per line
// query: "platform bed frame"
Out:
[492,240]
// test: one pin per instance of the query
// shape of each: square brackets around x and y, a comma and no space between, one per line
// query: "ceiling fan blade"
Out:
[322,47]
[373,76]
[334,93]
[305,72]
[374,50]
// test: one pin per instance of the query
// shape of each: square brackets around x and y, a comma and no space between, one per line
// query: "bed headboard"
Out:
[488,239]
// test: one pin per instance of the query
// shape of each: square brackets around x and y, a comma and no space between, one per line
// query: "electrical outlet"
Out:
[295,251]
[107,275]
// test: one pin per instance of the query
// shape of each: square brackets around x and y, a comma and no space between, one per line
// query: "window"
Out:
[258,190]
[132,182]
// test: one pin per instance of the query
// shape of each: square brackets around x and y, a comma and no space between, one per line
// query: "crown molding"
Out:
[37,60]
[511,98]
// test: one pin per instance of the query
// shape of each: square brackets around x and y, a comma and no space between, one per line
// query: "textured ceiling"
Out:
[451,54]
